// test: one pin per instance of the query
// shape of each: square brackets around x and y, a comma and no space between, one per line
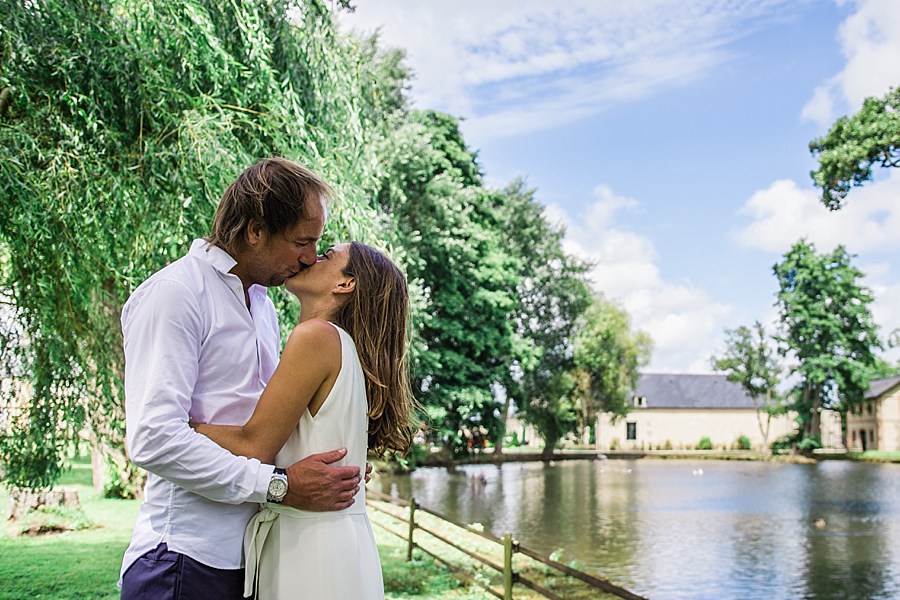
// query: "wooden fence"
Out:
[510,577]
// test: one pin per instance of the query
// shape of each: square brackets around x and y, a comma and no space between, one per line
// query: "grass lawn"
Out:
[85,564]
[876,456]
[75,564]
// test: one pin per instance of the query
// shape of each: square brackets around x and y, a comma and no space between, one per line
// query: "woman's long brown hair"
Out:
[375,316]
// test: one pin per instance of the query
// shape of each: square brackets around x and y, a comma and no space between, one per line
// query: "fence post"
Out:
[412,527]
[507,567]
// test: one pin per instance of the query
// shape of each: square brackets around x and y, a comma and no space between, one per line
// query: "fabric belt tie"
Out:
[254,539]
[258,530]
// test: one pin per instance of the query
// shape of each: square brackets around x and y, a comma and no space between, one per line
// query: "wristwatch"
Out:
[278,486]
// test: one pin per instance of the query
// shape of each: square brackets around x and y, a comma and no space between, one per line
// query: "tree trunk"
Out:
[815,422]
[547,452]
[99,470]
[4,101]
[764,428]
[498,443]
[807,405]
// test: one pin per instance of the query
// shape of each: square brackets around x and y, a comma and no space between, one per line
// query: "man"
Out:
[201,342]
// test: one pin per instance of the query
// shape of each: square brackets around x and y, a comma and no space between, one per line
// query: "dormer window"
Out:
[638,401]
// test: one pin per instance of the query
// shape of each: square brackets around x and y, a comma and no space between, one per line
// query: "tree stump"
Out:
[22,501]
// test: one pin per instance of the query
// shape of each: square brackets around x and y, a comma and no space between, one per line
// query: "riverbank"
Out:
[518,454]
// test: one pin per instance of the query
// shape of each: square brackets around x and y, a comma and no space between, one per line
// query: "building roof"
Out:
[669,390]
[879,386]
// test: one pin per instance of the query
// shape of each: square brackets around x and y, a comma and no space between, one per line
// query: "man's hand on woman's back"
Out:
[313,484]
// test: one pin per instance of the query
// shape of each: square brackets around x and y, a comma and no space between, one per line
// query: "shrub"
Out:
[742,443]
[705,444]
[395,463]
[785,443]
[807,445]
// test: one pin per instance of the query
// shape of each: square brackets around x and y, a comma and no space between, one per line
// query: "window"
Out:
[638,401]
[631,431]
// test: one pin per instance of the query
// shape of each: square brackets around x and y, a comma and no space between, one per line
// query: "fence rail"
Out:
[510,548]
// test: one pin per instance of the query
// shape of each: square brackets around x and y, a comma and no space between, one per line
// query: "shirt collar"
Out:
[223,262]
[215,256]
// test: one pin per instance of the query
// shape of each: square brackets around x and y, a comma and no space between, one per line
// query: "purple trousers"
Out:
[164,575]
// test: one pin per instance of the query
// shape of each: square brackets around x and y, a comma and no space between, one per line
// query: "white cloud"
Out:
[511,66]
[820,108]
[784,212]
[870,41]
[683,320]
[885,309]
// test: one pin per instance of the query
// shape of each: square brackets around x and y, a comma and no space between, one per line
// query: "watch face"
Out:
[277,488]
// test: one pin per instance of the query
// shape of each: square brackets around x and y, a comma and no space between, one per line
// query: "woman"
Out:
[341,381]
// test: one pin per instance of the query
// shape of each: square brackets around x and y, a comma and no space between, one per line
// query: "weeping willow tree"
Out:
[121,123]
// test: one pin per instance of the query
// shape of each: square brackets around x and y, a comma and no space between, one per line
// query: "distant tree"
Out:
[432,190]
[854,145]
[552,294]
[751,360]
[826,325]
[553,411]
[608,357]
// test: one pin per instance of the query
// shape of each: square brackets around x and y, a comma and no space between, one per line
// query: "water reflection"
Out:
[849,513]
[690,529]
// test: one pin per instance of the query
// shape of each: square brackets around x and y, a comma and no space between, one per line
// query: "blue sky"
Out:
[670,137]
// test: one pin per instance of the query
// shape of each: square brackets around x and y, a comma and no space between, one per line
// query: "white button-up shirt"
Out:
[194,351]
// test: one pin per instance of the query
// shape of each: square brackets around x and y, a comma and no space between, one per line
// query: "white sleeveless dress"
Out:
[299,555]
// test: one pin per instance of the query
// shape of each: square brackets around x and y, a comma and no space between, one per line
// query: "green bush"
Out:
[808,444]
[394,463]
[122,483]
[785,443]
[742,443]
[705,444]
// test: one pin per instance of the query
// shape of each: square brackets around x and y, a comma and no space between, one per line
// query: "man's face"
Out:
[279,256]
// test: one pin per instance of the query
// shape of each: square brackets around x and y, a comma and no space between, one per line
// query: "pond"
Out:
[690,529]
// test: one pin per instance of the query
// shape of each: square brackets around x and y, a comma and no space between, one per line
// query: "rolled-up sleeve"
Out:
[163,329]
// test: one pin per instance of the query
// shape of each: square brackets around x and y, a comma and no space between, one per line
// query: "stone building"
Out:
[875,425]
[676,411]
